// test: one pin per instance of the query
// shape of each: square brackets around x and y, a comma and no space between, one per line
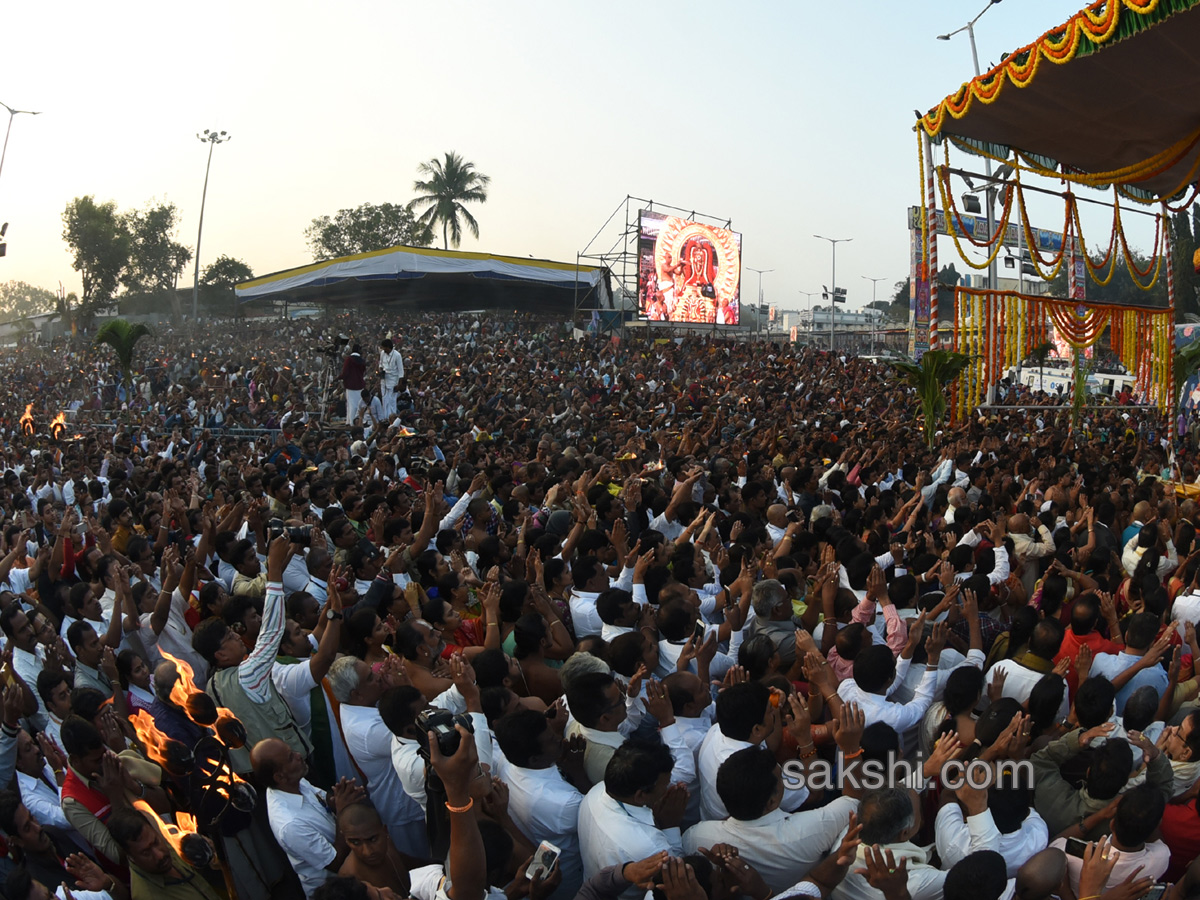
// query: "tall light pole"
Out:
[833,242]
[212,138]
[12,114]
[810,295]
[758,308]
[969,28]
[874,281]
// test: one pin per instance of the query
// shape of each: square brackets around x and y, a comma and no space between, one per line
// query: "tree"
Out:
[100,241]
[929,377]
[156,258]
[450,182]
[225,273]
[19,299]
[372,226]
[1187,281]
[219,280]
[898,309]
[1039,355]
[1120,289]
[122,336]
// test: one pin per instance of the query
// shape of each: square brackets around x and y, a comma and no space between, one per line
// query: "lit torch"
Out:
[27,419]
[58,426]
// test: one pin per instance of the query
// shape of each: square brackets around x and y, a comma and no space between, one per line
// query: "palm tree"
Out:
[936,369]
[449,183]
[122,336]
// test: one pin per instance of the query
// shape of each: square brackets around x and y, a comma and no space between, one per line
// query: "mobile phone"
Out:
[545,858]
[1075,847]
[1155,892]
[699,632]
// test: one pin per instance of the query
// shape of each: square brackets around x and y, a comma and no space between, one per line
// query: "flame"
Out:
[150,737]
[173,833]
[185,684]
[27,419]
[58,425]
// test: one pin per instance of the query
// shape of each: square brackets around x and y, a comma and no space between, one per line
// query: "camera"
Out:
[274,528]
[301,536]
[441,722]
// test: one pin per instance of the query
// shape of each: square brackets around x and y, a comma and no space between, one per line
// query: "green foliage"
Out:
[156,259]
[19,299]
[372,226]
[898,307]
[225,273]
[122,336]
[1121,289]
[1187,363]
[100,242]
[1187,280]
[448,184]
[929,377]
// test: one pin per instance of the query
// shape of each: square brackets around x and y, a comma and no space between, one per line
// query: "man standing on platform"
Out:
[353,378]
[391,374]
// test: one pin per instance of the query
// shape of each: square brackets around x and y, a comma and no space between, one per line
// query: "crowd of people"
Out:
[473,607]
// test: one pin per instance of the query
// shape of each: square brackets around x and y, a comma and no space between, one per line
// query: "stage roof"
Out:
[1115,92]
[422,274]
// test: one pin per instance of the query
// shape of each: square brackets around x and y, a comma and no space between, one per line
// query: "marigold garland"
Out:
[1000,329]
[1098,23]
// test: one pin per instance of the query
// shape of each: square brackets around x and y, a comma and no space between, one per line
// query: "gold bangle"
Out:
[461,809]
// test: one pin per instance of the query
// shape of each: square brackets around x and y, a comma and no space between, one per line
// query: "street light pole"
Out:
[809,295]
[758,309]
[12,114]
[874,281]
[969,28]
[212,138]
[833,242]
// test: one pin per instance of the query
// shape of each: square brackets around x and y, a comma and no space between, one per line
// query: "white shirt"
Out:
[1019,681]
[305,830]
[392,364]
[782,846]
[295,684]
[878,708]
[43,801]
[370,743]
[29,666]
[611,833]
[546,808]
[714,750]
[1153,858]
[1186,609]
[956,837]
[584,618]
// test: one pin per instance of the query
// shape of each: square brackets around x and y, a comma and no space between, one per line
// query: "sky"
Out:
[790,119]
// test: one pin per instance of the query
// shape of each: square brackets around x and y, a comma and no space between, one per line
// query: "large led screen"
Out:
[688,271]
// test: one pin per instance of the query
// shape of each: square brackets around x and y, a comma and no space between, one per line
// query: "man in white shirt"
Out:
[877,675]
[302,817]
[29,656]
[634,813]
[1023,672]
[590,580]
[391,373]
[745,718]
[542,803]
[357,688]
[890,818]
[398,710]
[40,792]
[1022,832]
[782,846]
[598,710]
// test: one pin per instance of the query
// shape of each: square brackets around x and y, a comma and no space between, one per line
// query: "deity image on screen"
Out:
[698,268]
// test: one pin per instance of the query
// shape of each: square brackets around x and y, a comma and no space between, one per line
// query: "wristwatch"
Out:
[333,615]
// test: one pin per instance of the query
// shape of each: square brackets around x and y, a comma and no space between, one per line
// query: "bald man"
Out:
[1030,542]
[374,859]
[302,817]
[1141,512]
[956,499]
